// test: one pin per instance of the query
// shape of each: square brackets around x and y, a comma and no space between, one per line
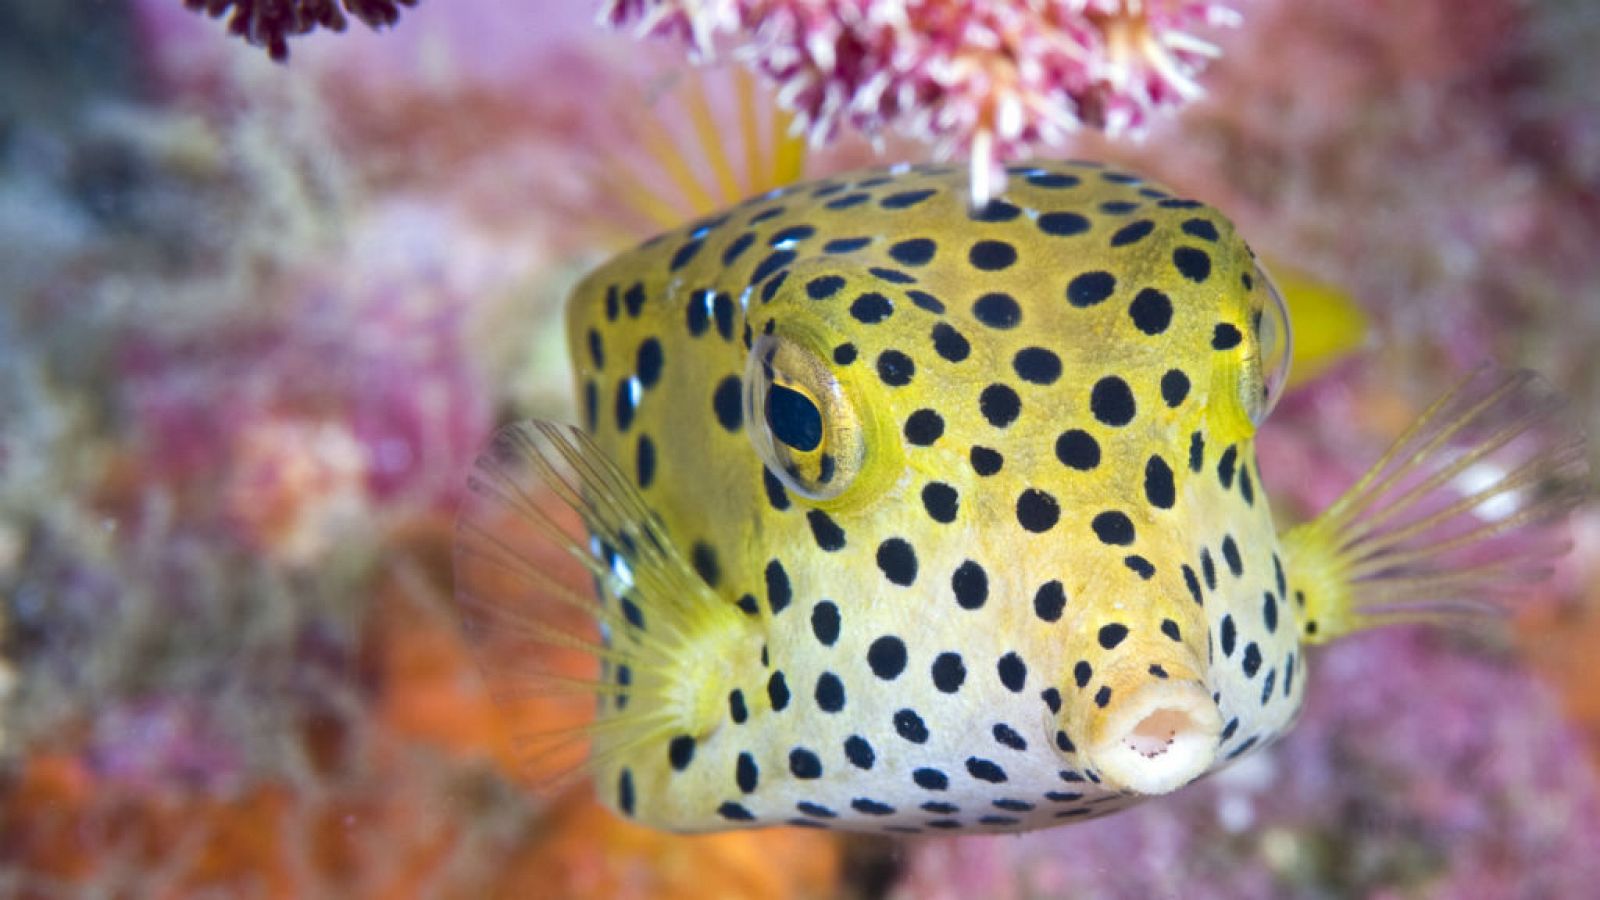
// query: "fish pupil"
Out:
[793,418]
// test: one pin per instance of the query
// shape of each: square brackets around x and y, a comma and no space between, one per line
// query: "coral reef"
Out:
[250,343]
[257,318]
[270,23]
[993,80]
[1435,161]
[1418,767]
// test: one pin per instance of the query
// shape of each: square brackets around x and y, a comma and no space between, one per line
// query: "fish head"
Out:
[1006,420]
[950,482]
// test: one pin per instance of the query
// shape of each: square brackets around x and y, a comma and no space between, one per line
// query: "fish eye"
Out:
[800,419]
[1274,346]
[793,418]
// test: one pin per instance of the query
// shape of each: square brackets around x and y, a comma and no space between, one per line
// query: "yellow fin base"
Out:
[1457,514]
[653,660]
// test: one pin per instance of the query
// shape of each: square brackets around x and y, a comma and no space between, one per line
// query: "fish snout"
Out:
[1156,737]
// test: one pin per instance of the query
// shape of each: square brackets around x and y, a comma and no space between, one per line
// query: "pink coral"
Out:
[1001,79]
[296,485]
[350,403]
[1431,157]
[202,696]
[1419,765]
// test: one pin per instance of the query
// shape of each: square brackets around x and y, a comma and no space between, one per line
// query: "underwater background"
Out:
[256,319]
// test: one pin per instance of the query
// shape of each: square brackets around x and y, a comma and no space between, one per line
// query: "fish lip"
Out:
[1159,739]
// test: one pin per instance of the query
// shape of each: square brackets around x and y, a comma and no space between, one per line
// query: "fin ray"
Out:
[581,678]
[1457,512]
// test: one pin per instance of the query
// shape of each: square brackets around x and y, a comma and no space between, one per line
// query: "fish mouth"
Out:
[1159,739]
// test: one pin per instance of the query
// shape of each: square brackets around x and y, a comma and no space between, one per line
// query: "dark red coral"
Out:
[270,23]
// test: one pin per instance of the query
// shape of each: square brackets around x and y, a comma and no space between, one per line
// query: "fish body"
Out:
[911,517]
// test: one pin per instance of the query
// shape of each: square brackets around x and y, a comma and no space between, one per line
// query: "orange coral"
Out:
[399,803]
[65,829]
[586,851]
[429,691]
[378,835]
[1559,641]
[432,692]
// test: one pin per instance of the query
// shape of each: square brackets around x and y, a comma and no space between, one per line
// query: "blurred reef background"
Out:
[256,319]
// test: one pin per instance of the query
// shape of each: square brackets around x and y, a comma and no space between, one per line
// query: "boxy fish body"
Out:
[910,517]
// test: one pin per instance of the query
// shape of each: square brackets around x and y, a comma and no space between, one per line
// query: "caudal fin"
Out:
[1457,514]
[585,672]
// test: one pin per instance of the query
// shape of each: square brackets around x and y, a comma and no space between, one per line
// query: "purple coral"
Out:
[270,23]
[352,402]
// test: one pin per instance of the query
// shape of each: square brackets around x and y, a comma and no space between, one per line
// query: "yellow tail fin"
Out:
[1455,514]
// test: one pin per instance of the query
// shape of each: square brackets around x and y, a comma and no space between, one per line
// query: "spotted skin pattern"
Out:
[1057,501]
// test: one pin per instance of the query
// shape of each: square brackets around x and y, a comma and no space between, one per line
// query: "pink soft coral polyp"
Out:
[999,78]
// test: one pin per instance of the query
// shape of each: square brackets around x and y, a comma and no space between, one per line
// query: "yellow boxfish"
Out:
[906,516]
